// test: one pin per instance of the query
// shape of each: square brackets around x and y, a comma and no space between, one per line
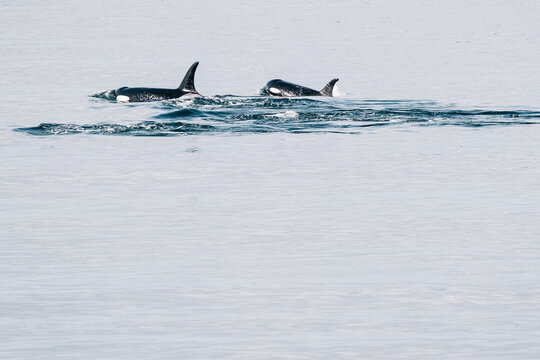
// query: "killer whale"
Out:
[139,94]
[278,87]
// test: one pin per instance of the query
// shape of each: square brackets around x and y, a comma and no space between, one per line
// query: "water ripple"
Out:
[233,114]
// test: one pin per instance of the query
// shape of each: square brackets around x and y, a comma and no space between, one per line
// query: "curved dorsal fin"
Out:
[327,90]
[188,84]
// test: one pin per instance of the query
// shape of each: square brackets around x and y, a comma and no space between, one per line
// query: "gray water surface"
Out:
[398,220]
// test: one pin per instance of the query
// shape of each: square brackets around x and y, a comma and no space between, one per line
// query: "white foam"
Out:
[337,92]
[122,98]
[191,95]
[289,114]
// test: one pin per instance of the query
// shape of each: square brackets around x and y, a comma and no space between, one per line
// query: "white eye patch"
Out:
[122,98]
[273,90]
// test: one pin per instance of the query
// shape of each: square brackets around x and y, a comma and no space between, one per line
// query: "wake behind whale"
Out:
[264,114]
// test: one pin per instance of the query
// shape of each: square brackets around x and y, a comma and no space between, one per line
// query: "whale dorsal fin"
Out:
[327,90]
[188,84]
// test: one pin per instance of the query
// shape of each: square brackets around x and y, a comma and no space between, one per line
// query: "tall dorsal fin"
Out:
[327,90]
[188,84]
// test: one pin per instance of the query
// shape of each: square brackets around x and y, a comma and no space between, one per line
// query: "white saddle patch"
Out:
[273,90]
[122,98]
[192,95]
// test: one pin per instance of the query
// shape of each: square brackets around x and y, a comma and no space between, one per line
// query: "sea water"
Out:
[397,220]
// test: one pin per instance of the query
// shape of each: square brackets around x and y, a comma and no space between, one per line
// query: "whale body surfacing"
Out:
[138,94]
[278,87]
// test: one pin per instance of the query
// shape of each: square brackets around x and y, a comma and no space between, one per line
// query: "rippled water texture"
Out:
[398,220]
[244,115]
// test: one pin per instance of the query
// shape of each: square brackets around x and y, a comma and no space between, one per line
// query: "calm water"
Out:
[398,220]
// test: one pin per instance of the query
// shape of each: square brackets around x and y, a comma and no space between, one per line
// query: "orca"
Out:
[278,87]
[138,94]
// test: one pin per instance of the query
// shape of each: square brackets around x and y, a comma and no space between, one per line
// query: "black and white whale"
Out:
[137,94]
[278,87]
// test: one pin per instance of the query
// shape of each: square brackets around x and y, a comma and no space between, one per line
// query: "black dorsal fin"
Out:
[188,84]
[327,90]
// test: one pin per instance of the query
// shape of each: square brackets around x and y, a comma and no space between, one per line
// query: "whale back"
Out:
[278,87]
